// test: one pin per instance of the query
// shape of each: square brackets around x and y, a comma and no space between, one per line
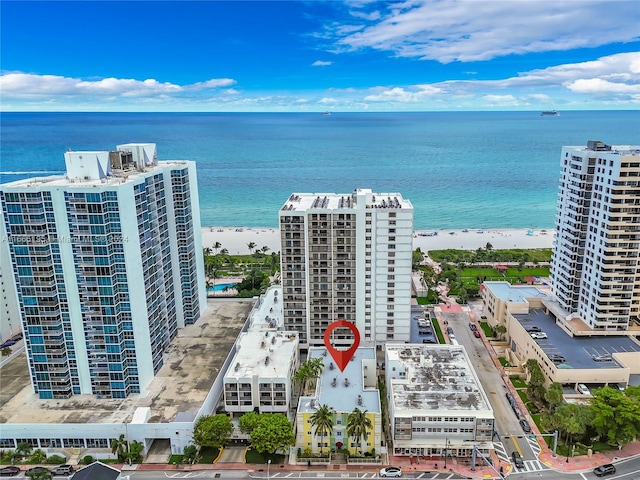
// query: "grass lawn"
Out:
[518,382]
[173,459]
[523,395]
[208,454]
[503,361]
[488,331]
[253,456]
[436,327]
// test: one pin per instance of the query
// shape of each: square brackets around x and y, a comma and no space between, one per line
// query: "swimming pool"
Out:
[220,286]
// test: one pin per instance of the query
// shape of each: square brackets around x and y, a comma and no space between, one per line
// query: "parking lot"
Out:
[420,322]
[579,352]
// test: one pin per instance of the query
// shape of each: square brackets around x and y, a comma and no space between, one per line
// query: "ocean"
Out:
[460,170]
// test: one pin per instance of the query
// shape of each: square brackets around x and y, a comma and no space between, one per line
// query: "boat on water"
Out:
[549,113]
[325,113]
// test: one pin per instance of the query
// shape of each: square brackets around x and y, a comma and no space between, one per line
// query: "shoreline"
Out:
[237,239]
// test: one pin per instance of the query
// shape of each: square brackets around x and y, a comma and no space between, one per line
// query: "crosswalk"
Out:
[529,465]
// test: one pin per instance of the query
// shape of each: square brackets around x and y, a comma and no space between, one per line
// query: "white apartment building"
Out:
[595,272]
[347,257]
[106,264]
[260,375]
[436,402]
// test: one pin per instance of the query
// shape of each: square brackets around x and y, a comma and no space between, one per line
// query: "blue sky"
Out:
[313,56]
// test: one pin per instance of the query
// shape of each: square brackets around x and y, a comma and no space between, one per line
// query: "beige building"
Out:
[436,402]
[528,312]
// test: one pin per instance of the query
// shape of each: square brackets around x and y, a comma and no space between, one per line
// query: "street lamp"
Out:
[268,468]
[446,450]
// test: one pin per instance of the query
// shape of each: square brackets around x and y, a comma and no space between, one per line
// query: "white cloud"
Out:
[328,101]
[18,84]
[500,98]
[599,85]
[398,94]
[464,30]
[321,63]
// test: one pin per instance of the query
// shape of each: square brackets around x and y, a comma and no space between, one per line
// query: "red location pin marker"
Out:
[342,357]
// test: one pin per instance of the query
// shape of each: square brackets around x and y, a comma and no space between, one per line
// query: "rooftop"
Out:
[191,364]
[439,377]
[348,201]
[578,351]
[344,391]
[510,293]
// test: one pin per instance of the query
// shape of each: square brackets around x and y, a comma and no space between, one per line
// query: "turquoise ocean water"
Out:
[460,170]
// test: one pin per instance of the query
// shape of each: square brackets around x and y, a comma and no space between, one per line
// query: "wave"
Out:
[33,172]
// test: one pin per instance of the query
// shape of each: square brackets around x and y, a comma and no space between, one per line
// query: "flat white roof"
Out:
[345,201]
[510,293]
[439,377]
[347,391]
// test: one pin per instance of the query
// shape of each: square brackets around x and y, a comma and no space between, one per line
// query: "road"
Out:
[319,475]
[506,423]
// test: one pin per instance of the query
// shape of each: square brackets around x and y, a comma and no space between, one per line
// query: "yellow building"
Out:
[342,392]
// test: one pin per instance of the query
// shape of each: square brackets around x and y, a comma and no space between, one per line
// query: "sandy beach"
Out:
[237,239]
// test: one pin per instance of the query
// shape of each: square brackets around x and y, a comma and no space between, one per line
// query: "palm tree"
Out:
[119,446]
[23,449]
[265,249]
[358,426]
[322,422]
[216,246]
[315,365]
[251,246]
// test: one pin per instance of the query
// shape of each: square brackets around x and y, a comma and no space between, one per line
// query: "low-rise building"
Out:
[436,402]
[260,375]
[535,329]
[342,391]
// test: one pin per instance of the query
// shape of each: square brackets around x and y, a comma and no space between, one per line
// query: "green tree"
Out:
[500,330]
[190,454]
[251,246]
[248,422]
[535,389]
[416,258]
[119,447]
[38,456]
[554,396]
[322,422]
[6,351]
[23,449]
[570,419]
[216,247]
[212,431]
[358,426]
[273,432]
[616,415]
[134,453]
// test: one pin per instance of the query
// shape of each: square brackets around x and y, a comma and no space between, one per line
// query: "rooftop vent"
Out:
[237,367]
[334,382]
[360,400]
[346,382]
[266,360]
[273,340]
[331,367]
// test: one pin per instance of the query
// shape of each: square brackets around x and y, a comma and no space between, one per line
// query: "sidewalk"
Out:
[433,465]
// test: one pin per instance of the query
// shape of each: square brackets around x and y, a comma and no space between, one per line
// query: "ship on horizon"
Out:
[549,113]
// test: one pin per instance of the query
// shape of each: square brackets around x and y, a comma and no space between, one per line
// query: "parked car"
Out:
[532,329]
[428,340]
[555,358]
[449,330]
[517,460]
[18,336]
[476,333]
[473,326]
[583,389]
[525,426]
[391,472]
[538,335]
[603,470]
[40,472]
[62,470]
[11,471]
[425,331]
[602,358]
[509,398]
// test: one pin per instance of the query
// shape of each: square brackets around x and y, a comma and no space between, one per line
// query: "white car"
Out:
[391,472]
[538,335]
